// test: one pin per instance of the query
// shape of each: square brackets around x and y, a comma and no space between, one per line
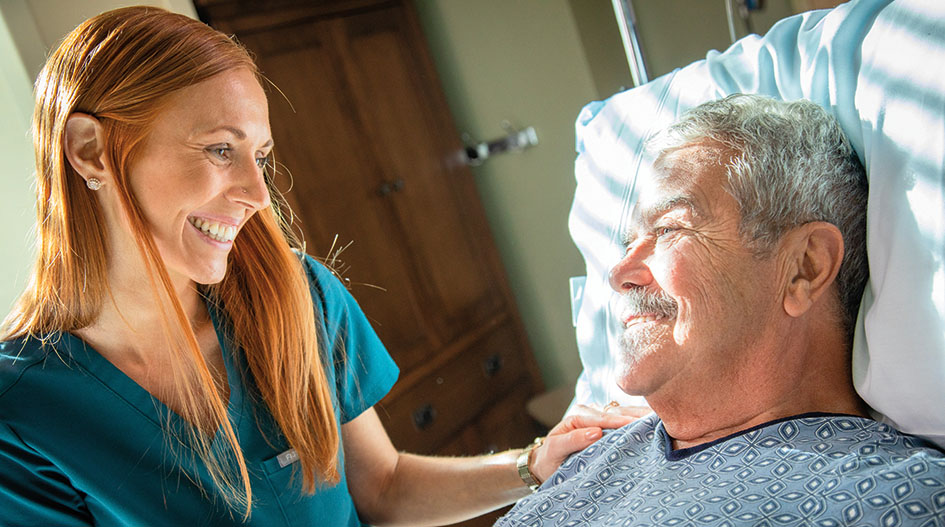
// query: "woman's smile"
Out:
[217,232]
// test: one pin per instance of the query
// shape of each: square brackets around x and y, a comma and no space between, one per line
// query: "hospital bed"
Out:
[879,67]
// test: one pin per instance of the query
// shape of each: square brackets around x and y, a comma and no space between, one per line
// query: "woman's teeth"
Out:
[216,231]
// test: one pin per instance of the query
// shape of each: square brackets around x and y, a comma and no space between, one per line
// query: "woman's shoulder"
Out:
[23,352]
[19,356]
[317,271]
[326,285]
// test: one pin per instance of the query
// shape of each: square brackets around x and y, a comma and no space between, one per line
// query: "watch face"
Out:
[522,465]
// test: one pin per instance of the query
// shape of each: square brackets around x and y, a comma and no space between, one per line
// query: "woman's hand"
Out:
[576,432]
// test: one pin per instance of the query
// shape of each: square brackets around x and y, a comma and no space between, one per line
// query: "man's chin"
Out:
[632,385]
[640,358]
[640,341]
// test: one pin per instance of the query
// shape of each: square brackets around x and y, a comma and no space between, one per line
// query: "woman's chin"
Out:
[210,275]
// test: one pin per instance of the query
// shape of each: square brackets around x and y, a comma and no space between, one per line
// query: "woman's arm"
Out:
[393,488]
[33,491]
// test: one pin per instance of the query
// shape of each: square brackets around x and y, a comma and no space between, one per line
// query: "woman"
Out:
[162,367]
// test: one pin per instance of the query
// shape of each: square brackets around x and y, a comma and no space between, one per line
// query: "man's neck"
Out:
[755,398]
[686,436]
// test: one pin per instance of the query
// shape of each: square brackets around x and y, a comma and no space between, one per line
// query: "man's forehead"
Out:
[684,179]
[701,157]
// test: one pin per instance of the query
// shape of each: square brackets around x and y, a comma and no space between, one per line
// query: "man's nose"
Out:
[632,271]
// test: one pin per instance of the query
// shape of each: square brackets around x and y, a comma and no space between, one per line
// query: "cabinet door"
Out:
[366,134]
[336,180]
[400,102]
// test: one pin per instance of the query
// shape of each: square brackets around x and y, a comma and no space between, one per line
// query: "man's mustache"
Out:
[638,301]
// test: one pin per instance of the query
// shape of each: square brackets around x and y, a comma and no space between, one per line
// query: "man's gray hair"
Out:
[792,165]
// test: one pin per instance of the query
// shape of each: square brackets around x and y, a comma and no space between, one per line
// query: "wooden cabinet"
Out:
[361,124]
[447,399]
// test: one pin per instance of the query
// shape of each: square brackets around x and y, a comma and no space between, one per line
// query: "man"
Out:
[744,267]
[876,65]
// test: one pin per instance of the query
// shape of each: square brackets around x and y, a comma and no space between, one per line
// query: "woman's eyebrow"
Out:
[241,135]
[232,129]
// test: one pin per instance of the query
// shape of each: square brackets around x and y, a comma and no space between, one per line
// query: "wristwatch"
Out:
[522,464]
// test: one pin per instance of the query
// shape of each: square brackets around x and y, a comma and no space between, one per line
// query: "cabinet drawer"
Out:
[442,403]
[507,424]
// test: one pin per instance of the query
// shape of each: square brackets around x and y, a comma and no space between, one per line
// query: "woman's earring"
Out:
[93,183]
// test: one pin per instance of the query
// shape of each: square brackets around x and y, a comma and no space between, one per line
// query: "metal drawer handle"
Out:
[388,187]
[492,365]
[424,416]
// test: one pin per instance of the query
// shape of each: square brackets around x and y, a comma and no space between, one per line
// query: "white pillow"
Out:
[879,67]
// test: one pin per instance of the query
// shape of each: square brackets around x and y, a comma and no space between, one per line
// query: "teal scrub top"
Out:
[82,444]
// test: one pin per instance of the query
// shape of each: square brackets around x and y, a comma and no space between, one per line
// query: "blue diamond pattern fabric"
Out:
[815,470]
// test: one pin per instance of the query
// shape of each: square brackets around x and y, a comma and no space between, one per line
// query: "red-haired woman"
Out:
[175,360]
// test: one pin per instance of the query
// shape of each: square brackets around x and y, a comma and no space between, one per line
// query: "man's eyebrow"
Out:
[649,214]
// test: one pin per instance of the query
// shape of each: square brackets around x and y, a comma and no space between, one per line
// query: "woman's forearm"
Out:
[441,490]
[391,488]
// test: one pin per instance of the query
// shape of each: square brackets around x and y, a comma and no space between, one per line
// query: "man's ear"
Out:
[84,146]
[814,254]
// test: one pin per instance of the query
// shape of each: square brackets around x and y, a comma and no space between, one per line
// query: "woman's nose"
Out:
[632,271]
[250,187]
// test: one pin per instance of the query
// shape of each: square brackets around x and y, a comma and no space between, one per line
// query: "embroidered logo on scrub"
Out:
[287,458]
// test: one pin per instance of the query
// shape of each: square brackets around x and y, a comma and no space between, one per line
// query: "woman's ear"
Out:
[815,252]
[84,146]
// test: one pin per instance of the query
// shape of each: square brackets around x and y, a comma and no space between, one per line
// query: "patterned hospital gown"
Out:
[814,469]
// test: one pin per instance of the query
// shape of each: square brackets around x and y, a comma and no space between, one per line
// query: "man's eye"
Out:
[663,231]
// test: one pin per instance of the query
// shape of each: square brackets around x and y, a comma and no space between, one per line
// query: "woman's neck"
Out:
[131,319]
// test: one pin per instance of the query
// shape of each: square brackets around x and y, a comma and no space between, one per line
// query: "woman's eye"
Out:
[220,152]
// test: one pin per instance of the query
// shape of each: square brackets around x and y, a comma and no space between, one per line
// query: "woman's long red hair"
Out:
[120,67]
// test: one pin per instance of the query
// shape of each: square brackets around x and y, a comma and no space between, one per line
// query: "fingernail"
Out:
[592,434]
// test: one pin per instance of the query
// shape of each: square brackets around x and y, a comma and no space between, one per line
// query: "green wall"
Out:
[18,213]
[674,33]
[522,61]
[28,29]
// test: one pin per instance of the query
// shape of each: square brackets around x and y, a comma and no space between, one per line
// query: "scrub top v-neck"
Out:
[81,443]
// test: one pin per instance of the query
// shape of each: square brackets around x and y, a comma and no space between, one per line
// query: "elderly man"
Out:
[745,261]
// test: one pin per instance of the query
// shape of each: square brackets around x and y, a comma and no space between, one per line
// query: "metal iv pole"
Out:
[627,22]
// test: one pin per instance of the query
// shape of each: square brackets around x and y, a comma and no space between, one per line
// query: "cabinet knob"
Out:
[424,416]
[387,187]
[492,365]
